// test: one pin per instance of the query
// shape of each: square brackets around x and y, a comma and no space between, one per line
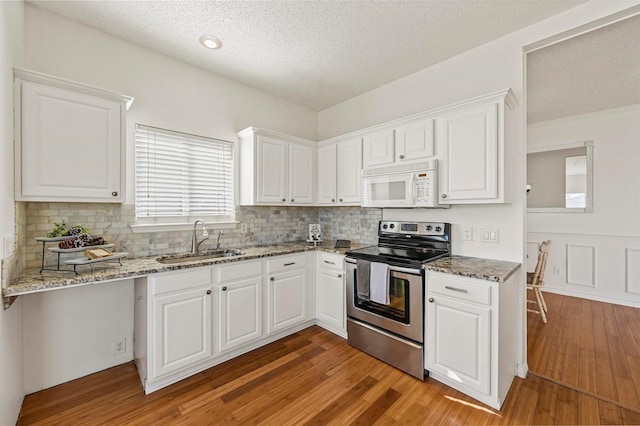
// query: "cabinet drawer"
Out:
[176,281]
[328,260]
[238,270]
[468,289]
[286,263]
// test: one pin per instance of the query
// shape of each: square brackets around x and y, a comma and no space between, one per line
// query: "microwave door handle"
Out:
[413,189]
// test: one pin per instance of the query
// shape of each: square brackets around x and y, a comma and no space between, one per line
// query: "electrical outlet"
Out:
[490,235]
[556,270]
[119,346]
[243,228]
[467,234]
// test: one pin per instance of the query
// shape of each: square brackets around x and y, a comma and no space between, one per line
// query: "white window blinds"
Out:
[180,176]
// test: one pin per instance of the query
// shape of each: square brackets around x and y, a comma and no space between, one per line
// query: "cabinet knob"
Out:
[284,199]
[272,279]
[333,200]
[292,200]
[402,157]
[443,196]
[340,199]
[114,193]
[208,291]
[339,275]
[224,288]
[431,300]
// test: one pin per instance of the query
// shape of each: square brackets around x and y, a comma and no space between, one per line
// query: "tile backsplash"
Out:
[265,225]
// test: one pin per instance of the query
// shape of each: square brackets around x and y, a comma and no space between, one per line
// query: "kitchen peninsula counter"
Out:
[474,267]
[32,281]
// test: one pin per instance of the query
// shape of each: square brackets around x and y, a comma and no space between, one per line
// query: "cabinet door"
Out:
[327,173]
[330,298]
[349,181]
[70,147]
[240,312]
[181,330]
[301,174]
[458,341]
[378,148]
[271,178]
[287,300]
[470,170]
[414,141]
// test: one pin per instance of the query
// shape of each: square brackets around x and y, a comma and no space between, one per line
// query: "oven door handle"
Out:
[392,268]
[389,335]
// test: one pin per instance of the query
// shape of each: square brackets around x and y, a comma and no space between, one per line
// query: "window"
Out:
[180,177]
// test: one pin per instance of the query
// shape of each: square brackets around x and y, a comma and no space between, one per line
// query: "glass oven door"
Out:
[403,315]
[398,308]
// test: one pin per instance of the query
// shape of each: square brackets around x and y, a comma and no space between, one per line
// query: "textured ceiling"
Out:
[592,72]
[314,53]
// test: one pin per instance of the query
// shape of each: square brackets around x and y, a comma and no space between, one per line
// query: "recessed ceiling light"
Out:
[210,41]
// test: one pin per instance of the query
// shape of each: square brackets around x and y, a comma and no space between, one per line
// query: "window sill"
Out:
[168,227]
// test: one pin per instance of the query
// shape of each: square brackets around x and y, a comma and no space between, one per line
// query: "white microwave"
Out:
[403,186]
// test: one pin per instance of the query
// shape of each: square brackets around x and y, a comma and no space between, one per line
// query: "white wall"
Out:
[11,52]
[70,333]
[596,255]
[63,340]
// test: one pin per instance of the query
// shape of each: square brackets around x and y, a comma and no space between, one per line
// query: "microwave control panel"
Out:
[424,184]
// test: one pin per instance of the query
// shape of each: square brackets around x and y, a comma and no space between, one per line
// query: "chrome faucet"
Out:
[195,244]
[220,234]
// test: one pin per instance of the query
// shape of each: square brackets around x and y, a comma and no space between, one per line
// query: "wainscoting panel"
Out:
[581,262]
[632,260]
[597,267]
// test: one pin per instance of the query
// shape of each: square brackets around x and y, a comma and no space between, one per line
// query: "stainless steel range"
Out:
[385,292]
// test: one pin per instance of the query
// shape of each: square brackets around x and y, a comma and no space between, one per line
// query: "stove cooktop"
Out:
[399,256]
[408,244]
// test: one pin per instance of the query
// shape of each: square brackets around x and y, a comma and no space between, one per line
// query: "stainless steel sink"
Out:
[182,258]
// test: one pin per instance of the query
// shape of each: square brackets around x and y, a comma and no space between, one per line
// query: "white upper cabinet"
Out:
[339,172]
[473,151]
[70,140]
[301,174]
[272,172]
[378,148]
[276,169]
[412,140]
[327,174]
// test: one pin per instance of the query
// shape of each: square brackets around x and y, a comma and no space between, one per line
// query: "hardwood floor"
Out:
[310,378]
[590,346]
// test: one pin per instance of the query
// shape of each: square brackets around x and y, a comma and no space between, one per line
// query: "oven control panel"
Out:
[412,228]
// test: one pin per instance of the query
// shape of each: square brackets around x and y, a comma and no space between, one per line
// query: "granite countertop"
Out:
[32,281]
[474,267]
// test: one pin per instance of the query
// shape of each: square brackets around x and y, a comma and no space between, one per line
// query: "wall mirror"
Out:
[560,178]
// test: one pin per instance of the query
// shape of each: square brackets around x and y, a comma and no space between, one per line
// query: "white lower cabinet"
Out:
[330,293]
[173,325]
[470,337]
[286,291]
[240,312]
[175,348]
[287,298]
[467,354]
[187,321]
